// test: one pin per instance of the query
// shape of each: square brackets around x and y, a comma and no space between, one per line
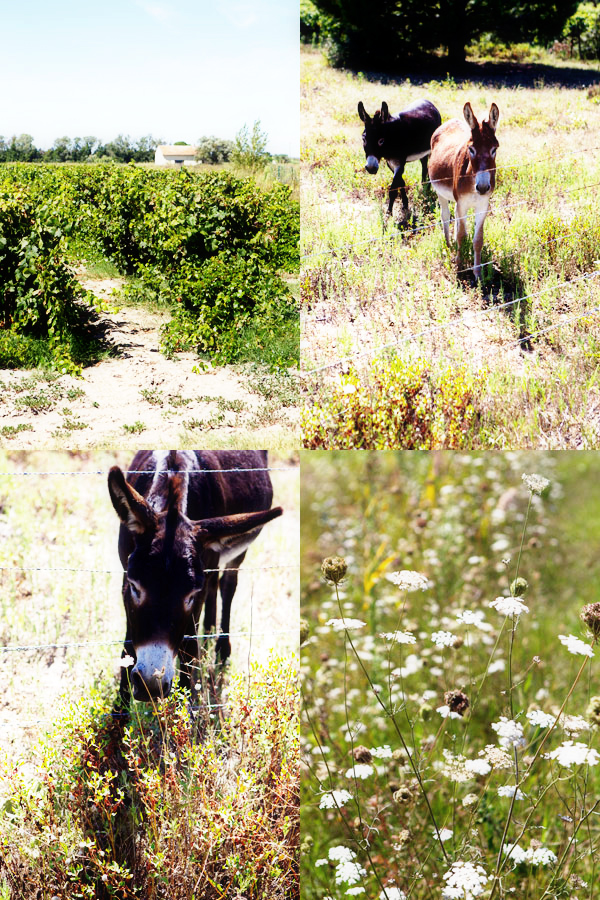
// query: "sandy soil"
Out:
[100,408]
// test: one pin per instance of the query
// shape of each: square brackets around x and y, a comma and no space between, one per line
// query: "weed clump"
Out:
[398,405]
[167,806]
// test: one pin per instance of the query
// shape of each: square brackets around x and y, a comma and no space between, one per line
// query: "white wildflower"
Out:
[334,799]
[478,766]
[470,800]
[126,661]
[464,881]
[320,862]
[573,754]
[575,645]
[509,606]
[474,617]
[510,733]
[347,870]
[354,891]
[443,638]
[541,719]
[360,770]
[409,581]
[497,757]
[509,790]
[444,834]
[392,893]
[542,856]
[535,856]
[399,637]
[536,483]
[384,752]
[345,624]
[574,725]
[445,712]
[412,664]
[516,853]
[339,853]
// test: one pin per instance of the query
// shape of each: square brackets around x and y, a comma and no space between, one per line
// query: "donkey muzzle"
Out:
[372,165]
[152,676]
[483,183]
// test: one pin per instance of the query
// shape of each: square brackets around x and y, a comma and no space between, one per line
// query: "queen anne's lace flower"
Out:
[508,790]
[392,893]
[347,869]
[574,754]
[474,617]
[343,624]
[443,638]
[445,712]
[510,733]
[575,645]
[399,637]
[360,770]
[464,881]
[333,799]
[541,719]
[509,606]
[409,581]
[536,483]
[535,856]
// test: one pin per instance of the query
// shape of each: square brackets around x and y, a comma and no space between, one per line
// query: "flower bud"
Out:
[519,587]
[334,569]
[362,754]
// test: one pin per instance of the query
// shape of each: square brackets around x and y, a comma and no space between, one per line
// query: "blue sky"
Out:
[177,70]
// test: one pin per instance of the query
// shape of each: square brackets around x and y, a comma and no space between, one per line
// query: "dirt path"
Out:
[138,393]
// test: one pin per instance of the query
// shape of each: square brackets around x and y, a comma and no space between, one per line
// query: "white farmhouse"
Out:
[177,155]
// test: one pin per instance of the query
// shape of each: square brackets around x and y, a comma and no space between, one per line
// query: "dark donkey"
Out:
[399,139]
[183,513]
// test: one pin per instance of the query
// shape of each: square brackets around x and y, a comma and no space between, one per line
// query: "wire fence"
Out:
[464,319]
[89,643]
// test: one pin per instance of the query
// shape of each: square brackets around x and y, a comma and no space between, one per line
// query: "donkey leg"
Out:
[445,214]
[478,241]
[460,227]
[398,182]
[227,585]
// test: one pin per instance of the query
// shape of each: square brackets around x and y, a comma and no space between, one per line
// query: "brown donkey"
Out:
[462,167]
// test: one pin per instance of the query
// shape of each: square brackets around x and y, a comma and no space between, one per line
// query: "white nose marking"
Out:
[372,163]
[155,662]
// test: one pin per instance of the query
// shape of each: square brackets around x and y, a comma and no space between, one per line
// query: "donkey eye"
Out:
[380,142]
[135,593]
[493,151]
[188,601]
[472,152]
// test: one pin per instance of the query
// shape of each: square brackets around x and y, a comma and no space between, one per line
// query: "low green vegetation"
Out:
[212,247]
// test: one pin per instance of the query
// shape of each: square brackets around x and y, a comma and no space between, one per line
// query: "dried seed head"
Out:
[456,701]
[362,754]
[402,839]
[519,587]
[334,569]
[403,794]
[304,631]
[590,614]
[592,713]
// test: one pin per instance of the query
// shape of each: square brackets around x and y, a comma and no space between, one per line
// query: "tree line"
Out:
[381,36]
[247,150]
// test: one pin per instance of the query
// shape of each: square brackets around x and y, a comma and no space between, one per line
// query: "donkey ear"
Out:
[131,508]
[493,117]
[231,532]
[362,112]
[470,116]
[385,113]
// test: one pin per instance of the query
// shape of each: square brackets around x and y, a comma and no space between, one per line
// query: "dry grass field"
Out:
[509,363]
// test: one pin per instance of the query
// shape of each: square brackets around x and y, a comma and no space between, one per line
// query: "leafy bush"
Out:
[38,293]
[214,150]
[398,405]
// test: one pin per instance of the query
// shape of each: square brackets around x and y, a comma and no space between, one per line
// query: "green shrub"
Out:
[399,405]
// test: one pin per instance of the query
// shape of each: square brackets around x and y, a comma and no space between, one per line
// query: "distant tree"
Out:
[214,150]
[249,148]
[181,144]
[381,36]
